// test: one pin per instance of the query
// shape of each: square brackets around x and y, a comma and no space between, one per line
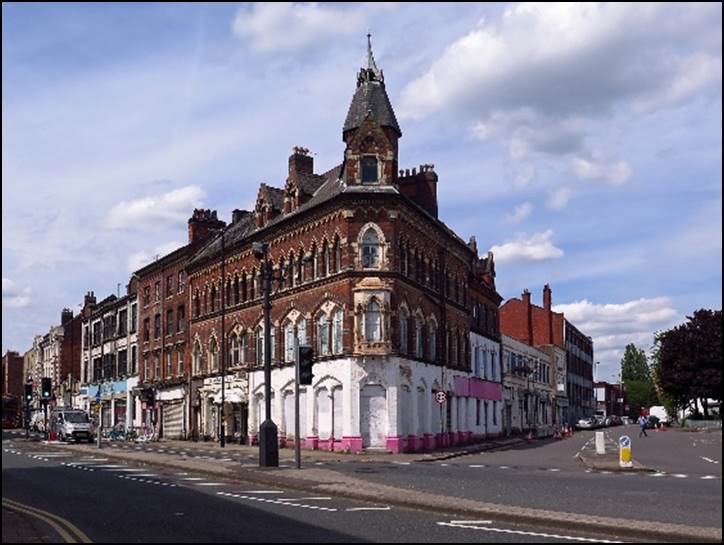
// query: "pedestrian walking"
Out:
[643,421]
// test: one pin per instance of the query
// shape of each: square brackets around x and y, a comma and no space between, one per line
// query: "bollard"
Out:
[600,443]
[624,451]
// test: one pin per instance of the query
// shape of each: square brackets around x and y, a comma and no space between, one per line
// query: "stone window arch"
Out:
[369,167]
[322,327]
[213,354]
[419,321]
[337,255]
[371,242]
[197,358]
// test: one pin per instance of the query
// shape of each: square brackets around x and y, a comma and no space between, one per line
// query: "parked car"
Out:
[72,424]
[587,423]
[600,421]
[615,420]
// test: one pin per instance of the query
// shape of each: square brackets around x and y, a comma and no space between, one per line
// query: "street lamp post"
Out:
[268,442]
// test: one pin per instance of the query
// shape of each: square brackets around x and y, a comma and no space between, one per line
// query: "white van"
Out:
[72,424]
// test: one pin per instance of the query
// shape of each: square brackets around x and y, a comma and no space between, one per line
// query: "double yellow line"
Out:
[66,529]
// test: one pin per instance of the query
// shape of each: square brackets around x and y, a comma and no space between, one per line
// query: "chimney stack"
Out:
[66,316]
[547,304]
[528,315]
[202,224]
[300,162]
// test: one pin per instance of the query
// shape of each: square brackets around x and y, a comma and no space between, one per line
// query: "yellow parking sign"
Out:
[624,451]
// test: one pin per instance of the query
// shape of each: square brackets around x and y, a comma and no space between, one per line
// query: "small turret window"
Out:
[369,170]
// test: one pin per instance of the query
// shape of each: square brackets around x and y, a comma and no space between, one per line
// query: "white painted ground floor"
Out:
[387,403]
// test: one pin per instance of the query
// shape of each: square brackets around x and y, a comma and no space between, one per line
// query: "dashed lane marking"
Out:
[453,524]
[277,502]
[387,508]
[262,492]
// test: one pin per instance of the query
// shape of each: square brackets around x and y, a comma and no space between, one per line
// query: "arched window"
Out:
[403,259]
[322,335]
[289,342]
[244,293]
[369,169]
[325,259]
[301,273]
[213,298]
[228,292]
[337,326]
[337,255]
[260,346]
[254,284]
[242,348]
[236,290]
[314,262]
[197,304]
[373,323]
[213,355]
[404,335]
[432,341]
[197,358]
[370,249]
[282,275]
[234,351]
[302,331]
[418,338]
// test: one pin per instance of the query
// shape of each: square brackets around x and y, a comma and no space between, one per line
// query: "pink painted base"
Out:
[428,441]
[395,444]
[312,442]
[414,443]
[351,443]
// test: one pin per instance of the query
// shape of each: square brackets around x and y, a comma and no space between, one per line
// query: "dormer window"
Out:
[369,170]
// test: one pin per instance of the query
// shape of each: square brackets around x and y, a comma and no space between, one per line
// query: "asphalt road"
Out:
[117,502]
[687,489]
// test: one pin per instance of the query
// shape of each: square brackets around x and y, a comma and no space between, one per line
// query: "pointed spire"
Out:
[370,72]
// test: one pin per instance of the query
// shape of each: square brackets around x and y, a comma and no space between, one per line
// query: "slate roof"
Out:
[327,186]
[371,96]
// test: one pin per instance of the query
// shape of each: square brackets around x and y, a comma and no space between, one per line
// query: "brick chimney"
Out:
[528,310]
[202,224]
[547,299]
[66,316]
[300,162]
[89,299]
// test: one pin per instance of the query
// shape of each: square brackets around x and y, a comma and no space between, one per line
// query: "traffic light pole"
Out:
[100,422]
[46,423]
[297,440]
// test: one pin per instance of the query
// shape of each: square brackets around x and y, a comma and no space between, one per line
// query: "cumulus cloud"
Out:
[286,26]
[544,79]
[615,173]
[613,326]
[558,200]
[537,247]
[144,257]
[521,212]
[169,208]
[13,296]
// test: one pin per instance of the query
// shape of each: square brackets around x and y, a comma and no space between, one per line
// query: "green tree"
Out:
[636,378]
[688,360]
[634,365]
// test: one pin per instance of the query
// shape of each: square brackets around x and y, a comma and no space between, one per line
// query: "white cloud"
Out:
[169,208]
[600,320]
[616,173]
[613,326]
[287,26]
[144,257]
[521,212]
[537,247]
[558,200]
[524,177]
[14,296]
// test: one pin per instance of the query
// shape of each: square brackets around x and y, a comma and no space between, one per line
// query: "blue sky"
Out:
[582,143]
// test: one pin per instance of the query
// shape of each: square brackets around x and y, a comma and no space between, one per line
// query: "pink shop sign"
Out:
[478,388]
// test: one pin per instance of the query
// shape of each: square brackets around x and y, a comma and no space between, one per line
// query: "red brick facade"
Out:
[12,374]
[531,324]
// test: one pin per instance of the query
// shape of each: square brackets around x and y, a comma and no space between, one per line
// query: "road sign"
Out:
[624,451]
[440,397]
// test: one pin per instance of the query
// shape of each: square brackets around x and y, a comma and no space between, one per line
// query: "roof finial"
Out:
[370,58]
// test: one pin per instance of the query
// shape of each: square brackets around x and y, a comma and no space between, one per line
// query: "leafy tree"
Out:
[634,365]
[636,377]
[688,360]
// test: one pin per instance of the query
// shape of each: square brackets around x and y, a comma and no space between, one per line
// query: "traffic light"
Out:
[306,354]
[28,393]
[46,387]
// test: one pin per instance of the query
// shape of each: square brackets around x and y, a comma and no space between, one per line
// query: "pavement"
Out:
[323,475]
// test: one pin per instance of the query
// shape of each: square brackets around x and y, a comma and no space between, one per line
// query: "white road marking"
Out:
[476,465]
[209,484]
[368,508]
[553,469]
[680,476]
[709,460]
[262,492]
[658,474]
[110,465]
[311,498]
[402,463]
[523,533]
[709,477]
[125,470]
[192,479]
[277,502]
